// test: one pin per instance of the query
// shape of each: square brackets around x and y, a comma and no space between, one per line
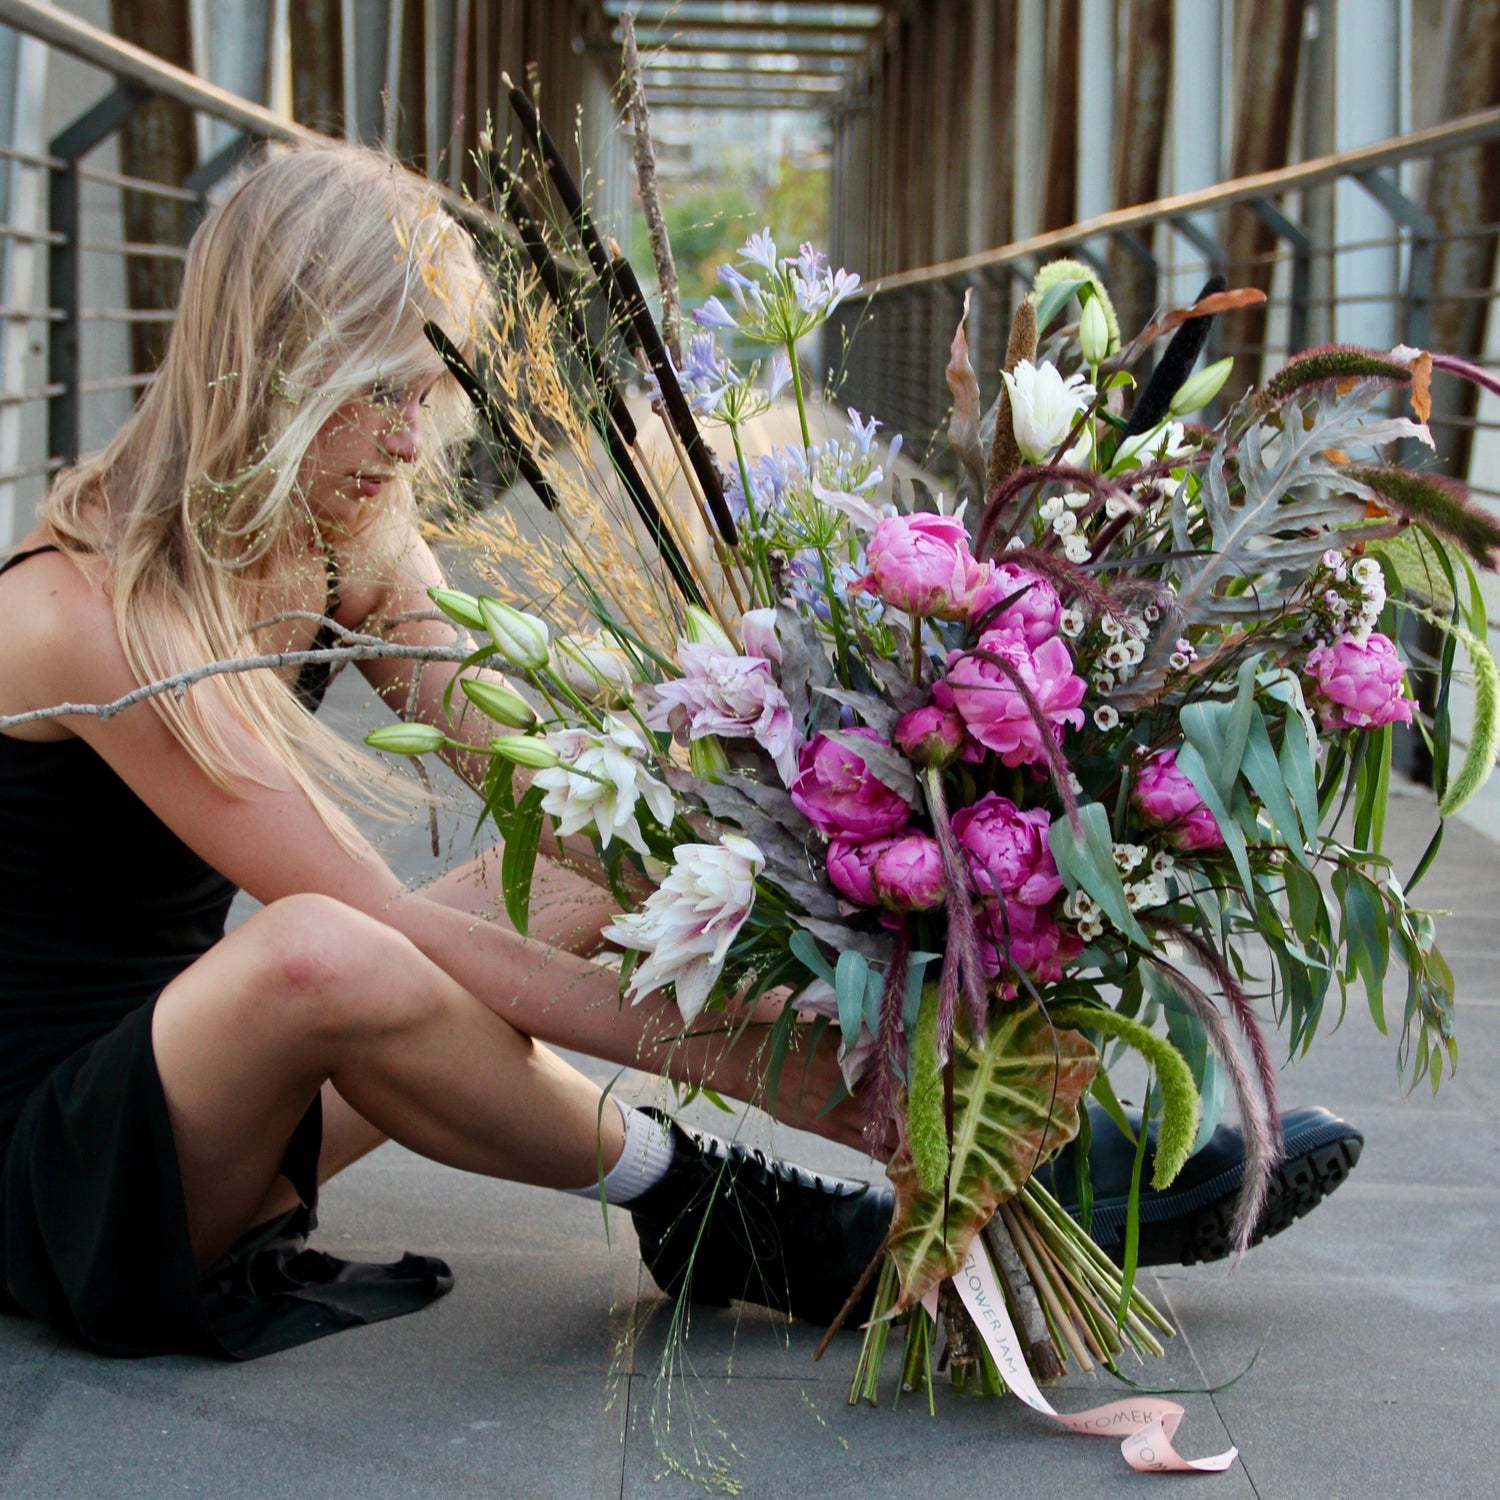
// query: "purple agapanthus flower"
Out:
[760,250]
[713,314]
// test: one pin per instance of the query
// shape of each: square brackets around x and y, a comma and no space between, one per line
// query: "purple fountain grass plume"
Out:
[1003,494]
[1436,502]
[1465,369]
[1057,762]
[1070,581]
[962,968]
[891,1041]
[1238,1000]
[1261,1130]
[1325,363]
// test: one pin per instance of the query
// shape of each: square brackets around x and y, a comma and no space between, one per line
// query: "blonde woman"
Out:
[170,1097]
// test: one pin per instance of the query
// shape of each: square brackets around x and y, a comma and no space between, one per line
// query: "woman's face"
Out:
[358,449]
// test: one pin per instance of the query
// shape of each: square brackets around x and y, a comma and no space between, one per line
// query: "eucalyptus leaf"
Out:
[1191,764]
[876,712]
[1263,772]
[849,986]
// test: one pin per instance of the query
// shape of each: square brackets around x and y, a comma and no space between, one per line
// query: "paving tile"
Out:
[93,1441]
[776,1438]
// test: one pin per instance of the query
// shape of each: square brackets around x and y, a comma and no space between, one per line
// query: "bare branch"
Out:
[645,170]
[365,648]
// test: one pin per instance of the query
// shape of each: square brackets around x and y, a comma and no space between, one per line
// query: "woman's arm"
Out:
[270,840]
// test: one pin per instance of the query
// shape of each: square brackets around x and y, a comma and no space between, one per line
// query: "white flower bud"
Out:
[1198,390]
[520,638]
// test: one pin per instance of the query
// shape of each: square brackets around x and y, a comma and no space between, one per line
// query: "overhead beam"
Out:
[720,78]
[770,39]
[706,62]
[694,99]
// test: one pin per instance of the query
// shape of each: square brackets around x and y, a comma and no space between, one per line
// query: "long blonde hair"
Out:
[304,291]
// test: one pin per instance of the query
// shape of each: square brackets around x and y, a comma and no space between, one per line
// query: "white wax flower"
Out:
[598,781]
[1044,407]
[687,925]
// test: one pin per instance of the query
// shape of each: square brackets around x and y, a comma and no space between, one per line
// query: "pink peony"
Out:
[835,791]
[1166,799]
[931,736]
[1030,937]
[851,867]
[1036,614]
[992,708]
[922,564]
[909,874]
[1358,684]
[1008,850]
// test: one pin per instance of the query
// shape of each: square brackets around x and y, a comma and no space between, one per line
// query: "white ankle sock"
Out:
[642,1164]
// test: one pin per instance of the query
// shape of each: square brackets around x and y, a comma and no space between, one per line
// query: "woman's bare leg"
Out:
[310,991]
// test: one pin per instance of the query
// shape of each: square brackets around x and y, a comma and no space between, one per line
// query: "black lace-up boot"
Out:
[726,1223]
[1190,1221]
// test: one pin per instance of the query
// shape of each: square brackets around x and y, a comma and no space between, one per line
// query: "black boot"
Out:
[1190,1221]
[725,1223]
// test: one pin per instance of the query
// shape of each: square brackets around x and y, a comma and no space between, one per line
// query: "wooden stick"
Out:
[1060,1319]
[645,171]
[853,1298]
[1041,1351]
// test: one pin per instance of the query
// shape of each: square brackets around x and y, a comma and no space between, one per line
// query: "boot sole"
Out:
[1193,1226]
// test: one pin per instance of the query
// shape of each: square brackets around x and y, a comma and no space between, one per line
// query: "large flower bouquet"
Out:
[994,791]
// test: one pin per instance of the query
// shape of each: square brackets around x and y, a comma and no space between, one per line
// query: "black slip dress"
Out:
[101,906]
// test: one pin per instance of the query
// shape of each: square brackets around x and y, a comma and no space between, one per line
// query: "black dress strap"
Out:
[20,557]
[312,681]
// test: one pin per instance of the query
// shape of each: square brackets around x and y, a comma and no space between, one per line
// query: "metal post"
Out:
[1418,328]
[1301,243]
[65,261]
[203,178]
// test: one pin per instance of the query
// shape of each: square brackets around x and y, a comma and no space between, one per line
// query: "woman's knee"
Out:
[330,969]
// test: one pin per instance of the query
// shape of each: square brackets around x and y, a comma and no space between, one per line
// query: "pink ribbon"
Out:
[1147,1422]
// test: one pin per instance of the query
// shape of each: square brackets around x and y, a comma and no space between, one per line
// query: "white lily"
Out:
[687,925]
[1044,407]
[599,778]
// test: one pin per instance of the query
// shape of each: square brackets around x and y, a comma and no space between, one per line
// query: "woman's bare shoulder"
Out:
[58,625]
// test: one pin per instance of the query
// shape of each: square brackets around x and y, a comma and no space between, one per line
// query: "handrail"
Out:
[125,60]
[1452,135]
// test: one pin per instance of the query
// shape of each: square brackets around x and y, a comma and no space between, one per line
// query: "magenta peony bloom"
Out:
[922,564]
[1036,614]
[1007,850]
[909,874]
[1036,945]
[1166,799]
[851,867]
[931,736]
[994,711]
[835,791]
[1358,684]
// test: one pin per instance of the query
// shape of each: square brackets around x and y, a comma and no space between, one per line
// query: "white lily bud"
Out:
[1093,332]
[537,755]
[704,630]
[458,606]
[406,739]
[594,667]
[521,639]
[1198,390]
[496,701]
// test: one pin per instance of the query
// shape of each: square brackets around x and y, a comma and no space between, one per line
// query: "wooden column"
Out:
[317,31]
[158,142]
[1462,193]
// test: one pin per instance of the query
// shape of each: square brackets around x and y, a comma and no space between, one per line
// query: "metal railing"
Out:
[887,347]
